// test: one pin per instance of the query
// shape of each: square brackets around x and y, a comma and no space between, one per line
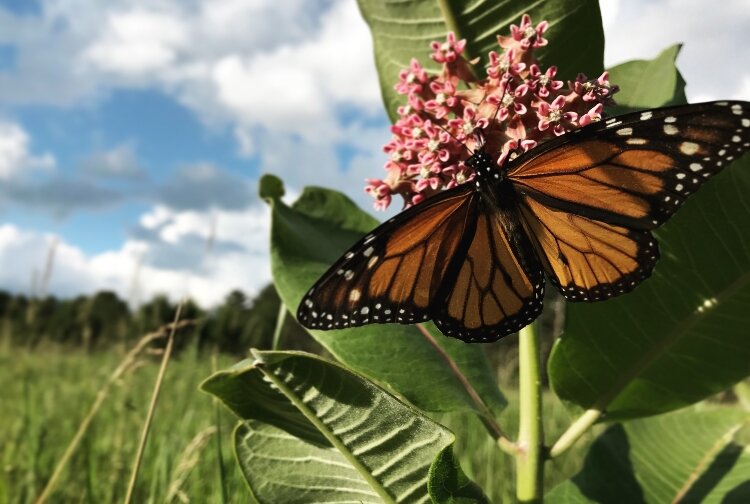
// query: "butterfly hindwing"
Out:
[588,260]
[394,273]
[498,286]
[637,169]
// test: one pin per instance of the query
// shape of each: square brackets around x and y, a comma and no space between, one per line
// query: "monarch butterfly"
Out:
[578,208]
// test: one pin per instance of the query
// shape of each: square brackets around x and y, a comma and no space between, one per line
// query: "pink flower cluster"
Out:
[517,106]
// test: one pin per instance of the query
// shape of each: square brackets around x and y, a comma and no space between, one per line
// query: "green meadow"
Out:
[48,391]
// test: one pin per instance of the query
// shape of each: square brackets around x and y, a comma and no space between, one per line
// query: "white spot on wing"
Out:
[372,262]
[625,131]
[354,295]
[689,148]
[670,129]
[636,141]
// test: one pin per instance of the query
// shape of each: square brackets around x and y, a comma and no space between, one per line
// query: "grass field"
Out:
[46,394]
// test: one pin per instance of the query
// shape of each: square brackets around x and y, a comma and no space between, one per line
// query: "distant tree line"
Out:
[103,320]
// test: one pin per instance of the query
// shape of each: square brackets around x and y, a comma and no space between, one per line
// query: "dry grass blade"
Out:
[187,461]
[128,363]
[152,405]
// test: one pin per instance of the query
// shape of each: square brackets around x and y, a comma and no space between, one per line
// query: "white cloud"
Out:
[297,87]
[136,262]
[713,59]
[15,157]
[283,65]
[137,42]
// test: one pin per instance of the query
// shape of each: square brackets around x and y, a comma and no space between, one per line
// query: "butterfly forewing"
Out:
[637,169]
[394,273]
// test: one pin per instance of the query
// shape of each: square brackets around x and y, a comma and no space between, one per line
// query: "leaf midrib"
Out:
[707,458]
[682,329]
[323,428]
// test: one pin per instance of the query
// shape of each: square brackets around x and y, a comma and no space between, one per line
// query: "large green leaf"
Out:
[403,30]
[682,335]
[305,241]
[314,431]
[686,457]
[649,83]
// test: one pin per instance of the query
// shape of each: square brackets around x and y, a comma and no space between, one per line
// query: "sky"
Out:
[133,132]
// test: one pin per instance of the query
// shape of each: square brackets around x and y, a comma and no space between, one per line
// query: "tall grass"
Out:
[45,394]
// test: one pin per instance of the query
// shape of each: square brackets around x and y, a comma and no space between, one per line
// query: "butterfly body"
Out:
[578,209]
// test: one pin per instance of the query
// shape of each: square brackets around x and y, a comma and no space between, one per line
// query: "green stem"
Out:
[529,460]
[575,431]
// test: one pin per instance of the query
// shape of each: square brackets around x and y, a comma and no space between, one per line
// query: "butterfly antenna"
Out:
[456,139]
[503,82]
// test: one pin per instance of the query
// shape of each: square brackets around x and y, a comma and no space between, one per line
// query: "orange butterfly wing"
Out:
[499,286]
[393,274]
[452,259]
[589,198]
[637,169]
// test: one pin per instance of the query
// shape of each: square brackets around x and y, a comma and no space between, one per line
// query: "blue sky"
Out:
[131,131]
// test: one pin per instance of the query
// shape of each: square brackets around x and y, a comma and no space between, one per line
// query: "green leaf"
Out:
[403,30]
[649,83]
[687,456]
[682,335]
[270,187]
[333,435]
[449,485]
[305,241]
[269,459]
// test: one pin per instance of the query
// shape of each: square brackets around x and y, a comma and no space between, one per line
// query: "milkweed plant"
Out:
[401,413]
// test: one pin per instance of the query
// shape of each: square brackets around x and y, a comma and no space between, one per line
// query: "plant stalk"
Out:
[575,431]
[529,459]
[152,407]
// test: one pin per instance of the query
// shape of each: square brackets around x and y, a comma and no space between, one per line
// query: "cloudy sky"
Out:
[131,131]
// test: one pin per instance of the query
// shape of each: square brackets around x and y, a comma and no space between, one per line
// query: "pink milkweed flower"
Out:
[598,89]
[448,51]
[553,114]
[445,98]
[525,36]
[593,115]
[518,106]
[543,83]
[500,66]
[413,79]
